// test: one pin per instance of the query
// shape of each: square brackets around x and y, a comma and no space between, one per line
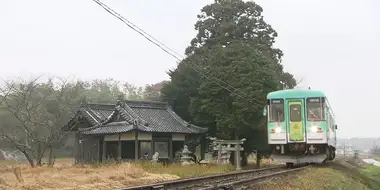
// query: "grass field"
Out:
[372,171]
[64,175]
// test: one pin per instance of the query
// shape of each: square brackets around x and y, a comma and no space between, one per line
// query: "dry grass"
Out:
[184,171]
[313,179]
[64,175]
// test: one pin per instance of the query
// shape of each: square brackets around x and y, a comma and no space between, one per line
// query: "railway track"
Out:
[233,180]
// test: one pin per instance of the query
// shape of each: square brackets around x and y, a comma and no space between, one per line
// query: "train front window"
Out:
[315,109]
[276,111]
[295,112]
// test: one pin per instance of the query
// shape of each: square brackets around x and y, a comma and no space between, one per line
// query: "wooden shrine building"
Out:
[129,130]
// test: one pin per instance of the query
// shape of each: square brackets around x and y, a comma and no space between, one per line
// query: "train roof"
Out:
[295,93]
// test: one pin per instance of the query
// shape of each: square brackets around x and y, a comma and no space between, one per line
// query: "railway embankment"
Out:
[366,173]
[342,174]
[315,178]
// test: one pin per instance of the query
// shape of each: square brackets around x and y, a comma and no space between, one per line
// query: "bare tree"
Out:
[133,92]
[37,111]
[153,91]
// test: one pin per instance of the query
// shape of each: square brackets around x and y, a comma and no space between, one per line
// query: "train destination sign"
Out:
[277,101]
[315,100]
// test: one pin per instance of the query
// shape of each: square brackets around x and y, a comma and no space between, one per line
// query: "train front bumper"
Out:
[277,138]
[316,138]
[319,158]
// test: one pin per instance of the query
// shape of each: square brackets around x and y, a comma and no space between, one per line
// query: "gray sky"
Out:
[333,44]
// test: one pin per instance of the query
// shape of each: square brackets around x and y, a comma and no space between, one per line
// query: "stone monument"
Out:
[155,157]
[225,155]
[185,156]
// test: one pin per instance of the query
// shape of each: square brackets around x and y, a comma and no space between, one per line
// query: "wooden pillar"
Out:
[170,149]
[219,153]
[75,148]
[151,148]
[136,146]
[81,145]
[119,149]
[203,147]
[104,153]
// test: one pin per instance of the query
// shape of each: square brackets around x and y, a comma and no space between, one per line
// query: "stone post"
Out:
[237,153]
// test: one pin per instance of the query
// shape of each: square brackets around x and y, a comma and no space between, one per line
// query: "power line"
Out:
[172,53]
[131,25]
[161,45]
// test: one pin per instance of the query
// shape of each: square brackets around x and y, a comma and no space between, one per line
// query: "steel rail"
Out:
[240,183]
[225,181]
[210,181]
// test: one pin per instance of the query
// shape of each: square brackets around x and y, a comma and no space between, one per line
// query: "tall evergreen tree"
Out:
[231,65]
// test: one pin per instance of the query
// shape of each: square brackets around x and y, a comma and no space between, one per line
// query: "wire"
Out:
[158,43]
[113,13]
[141,30]
[172,53]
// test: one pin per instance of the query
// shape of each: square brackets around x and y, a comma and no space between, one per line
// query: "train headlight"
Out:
[278,130]
[316,129]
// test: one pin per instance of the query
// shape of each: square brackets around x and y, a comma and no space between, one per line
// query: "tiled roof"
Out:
[114,127]
[140,115]
[101,111]
[120,127]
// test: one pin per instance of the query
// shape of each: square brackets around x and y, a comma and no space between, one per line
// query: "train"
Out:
[301,127]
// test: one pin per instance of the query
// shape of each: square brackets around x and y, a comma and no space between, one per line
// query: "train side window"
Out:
[316,109]
[295,113]
[276,111]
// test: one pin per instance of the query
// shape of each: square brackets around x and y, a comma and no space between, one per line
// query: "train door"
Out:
[296,121]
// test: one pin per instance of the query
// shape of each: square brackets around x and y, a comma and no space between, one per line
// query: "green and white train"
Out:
[301,126]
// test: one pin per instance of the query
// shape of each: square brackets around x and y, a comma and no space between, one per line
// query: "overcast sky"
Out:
[333,44]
